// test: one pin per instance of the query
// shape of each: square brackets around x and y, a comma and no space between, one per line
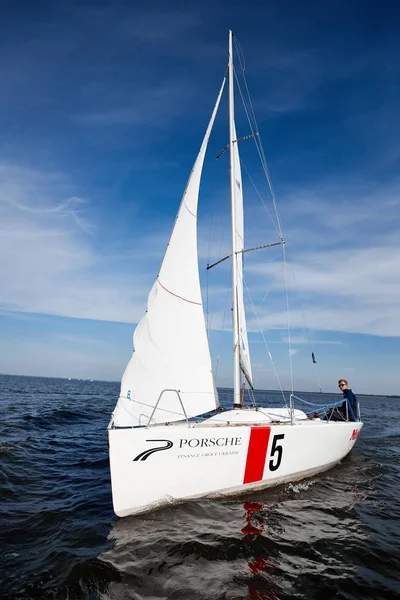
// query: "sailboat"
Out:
[162,448]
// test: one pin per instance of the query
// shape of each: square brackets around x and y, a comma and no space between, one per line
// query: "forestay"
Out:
[171,358]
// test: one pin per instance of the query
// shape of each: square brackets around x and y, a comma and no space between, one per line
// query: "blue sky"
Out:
[102,110]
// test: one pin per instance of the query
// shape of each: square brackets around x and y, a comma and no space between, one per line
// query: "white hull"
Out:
[165,464]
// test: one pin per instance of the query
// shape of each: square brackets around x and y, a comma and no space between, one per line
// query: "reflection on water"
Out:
[257,565]
[277,544]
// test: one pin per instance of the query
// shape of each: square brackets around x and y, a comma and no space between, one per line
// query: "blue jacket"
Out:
[352,400]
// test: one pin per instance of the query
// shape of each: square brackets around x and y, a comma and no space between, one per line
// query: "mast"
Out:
[235,315]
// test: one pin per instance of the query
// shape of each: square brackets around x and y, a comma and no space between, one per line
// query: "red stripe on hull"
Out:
[256,454]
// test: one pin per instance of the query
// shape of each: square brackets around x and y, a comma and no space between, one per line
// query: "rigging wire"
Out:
[240,54]
[267,292]
[258,143]
[252,397]
[254,127]
[266,344]
[257,139]
[249,110]
[308,334]
[261,198]
[288,318]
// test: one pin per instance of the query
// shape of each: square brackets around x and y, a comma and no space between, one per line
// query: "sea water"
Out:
[335,535]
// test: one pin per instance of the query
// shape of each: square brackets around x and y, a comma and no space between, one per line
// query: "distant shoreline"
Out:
[222,389]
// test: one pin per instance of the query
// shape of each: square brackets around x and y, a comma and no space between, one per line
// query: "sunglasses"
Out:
[341,384]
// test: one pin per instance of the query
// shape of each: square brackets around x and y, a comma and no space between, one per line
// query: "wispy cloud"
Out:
[83,362]
[343,256]
[346,275]
[48,264]
[300,341]
[154,106]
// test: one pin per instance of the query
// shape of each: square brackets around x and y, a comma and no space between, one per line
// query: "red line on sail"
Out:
[256,454]
[176,295]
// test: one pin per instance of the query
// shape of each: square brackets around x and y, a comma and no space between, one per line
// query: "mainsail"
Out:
[170,369]
[244,352]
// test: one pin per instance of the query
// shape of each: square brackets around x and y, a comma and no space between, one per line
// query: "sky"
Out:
[103,106]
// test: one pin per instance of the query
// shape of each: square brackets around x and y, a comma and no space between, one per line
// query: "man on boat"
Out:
[349,405]
[347,410]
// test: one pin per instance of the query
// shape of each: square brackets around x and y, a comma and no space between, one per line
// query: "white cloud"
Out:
[48,263]
[343,268]
[355,291]
[305,341]
[33,357]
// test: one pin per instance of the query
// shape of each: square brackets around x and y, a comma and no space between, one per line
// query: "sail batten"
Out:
[169,376]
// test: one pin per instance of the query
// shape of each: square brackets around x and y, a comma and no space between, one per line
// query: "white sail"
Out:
[170,368]
[244,352]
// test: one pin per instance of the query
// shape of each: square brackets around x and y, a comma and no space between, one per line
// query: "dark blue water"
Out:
[333,536]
